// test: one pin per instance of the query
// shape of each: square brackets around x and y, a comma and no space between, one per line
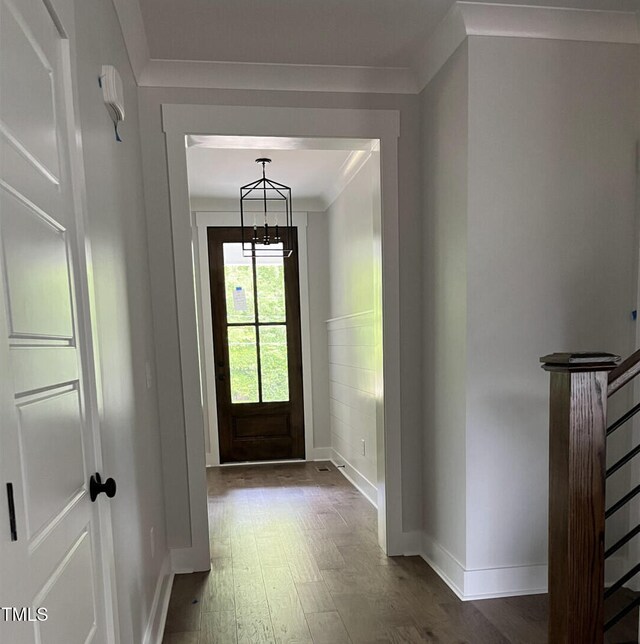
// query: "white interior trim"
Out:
[269,76]
[134,34]
[360,482]
[509,581]
[203,220]
[413,543]
[519,21]
[321,454]
[194,556]
[160,605]
[229,204]
[295,121]
[350,168]
[340,321]
[553,23]
[430,57]
[221,142]
[463,19]
[505,581]
[305,329]
[383,125]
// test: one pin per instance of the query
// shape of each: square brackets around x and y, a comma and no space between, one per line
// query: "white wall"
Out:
[444,139]
[351,243]
[537,214]
[163,286]
[551,264]
[352,377]
[117,232]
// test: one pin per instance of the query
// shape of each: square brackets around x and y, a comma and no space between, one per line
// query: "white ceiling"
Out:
[311,174]
[379,46]
[371,33]
[376,33]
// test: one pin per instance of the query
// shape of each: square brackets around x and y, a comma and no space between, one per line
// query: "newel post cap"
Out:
[580,361]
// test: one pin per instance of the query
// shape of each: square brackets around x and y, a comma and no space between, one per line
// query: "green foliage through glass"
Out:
[239,298]
[274,363]
[270,284]
[243,364]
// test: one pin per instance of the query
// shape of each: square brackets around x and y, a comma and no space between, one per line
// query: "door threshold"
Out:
[291,460]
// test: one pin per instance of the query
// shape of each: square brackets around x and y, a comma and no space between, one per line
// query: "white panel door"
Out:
[52,556]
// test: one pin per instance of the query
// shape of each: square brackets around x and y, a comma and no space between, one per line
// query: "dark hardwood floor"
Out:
[295,559]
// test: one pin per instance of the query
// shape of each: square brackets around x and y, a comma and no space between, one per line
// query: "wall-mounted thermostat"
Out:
[112,92]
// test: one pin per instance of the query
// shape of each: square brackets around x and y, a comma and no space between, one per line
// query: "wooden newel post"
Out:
[577,447]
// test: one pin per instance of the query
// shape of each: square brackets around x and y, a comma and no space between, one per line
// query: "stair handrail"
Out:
[625,372]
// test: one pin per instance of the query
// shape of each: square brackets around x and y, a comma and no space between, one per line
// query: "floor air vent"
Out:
[323,468]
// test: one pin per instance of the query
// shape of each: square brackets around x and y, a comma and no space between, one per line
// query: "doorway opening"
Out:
[291,348]
[273,128]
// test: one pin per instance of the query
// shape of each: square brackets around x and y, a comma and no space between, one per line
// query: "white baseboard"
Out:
[211,460]
[509,581]
[487,583]
[158,615]
[319,454]
[412,543]
[445,564]
[243,463]
[365,486]
[313,454]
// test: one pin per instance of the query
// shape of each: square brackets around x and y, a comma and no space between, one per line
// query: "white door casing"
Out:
[201,220]
[49,434]
[191,551]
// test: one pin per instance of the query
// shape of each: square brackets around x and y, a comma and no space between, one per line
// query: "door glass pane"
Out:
[270,284]
[273,363]
[243,364]
[238,284]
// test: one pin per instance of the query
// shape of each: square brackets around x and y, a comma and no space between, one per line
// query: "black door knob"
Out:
[96,486]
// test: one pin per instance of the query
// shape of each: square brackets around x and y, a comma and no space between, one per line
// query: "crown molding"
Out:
[228,204]
[267,76]
[552,23]
[151,72]
[349,169]
[440,46]
[466,19]
[135,38]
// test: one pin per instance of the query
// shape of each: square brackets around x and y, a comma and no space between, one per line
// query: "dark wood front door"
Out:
[255,305]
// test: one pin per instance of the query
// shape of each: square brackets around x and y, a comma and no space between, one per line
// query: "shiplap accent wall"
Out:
[352,403]
[350,328]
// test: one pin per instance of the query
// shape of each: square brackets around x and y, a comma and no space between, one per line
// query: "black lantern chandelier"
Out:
[265,217]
